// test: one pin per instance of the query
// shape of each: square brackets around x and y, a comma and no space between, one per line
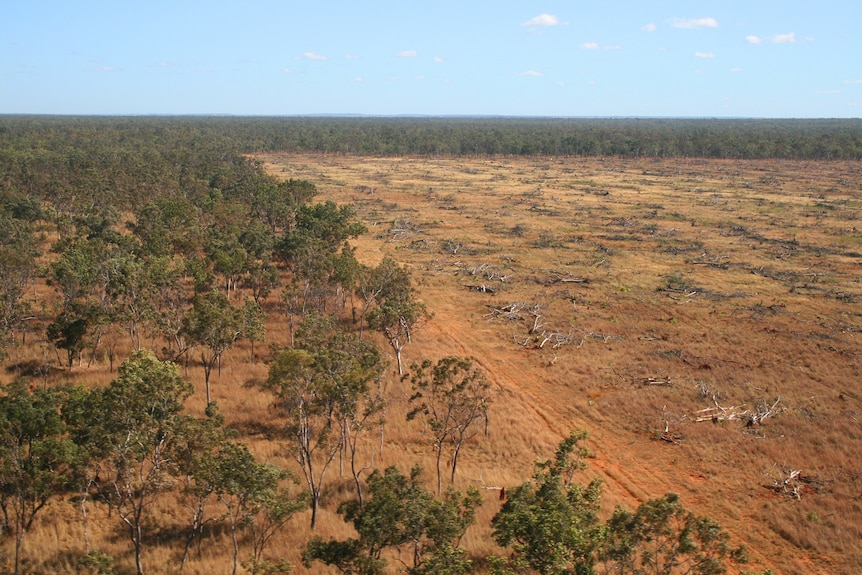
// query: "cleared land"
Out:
[700,318]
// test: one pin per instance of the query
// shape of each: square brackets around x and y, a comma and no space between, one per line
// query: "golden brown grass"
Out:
[736,281]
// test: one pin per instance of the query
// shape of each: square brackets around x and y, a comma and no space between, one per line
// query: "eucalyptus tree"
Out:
[69,331]
[550,523]
[167,226]
[318,386]
[83,275]
[396,311]
[201,443]
[252,496]
[663,538]
[135,430]
[378,283]
[253,324]
[400,513]
[313,248]
[452,397]
[227,254]
[18,253]
[38,459]
[215,324]
[260,274]
[276,202]
[170,303]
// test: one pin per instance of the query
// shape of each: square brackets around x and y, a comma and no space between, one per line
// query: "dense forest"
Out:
[159,236]
[123,160]
[127,138]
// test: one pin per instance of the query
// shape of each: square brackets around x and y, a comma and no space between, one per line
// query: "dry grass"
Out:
[736,282]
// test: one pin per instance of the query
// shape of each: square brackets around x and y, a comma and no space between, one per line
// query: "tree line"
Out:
[141,154]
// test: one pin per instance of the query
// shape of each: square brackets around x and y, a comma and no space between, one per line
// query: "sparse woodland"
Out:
[225,351]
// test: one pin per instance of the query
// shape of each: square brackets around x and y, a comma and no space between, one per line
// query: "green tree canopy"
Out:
[38,459]
[550,523]
[400,513]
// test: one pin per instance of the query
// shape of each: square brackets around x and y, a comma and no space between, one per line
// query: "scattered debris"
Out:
[481,288]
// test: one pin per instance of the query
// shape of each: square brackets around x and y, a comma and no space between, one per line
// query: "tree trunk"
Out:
[439,474]
[398,358]
[19,541]
[455,453]
[235,547]
[315,504]
[137,535]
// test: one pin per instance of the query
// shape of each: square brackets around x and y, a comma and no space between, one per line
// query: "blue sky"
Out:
[753,58]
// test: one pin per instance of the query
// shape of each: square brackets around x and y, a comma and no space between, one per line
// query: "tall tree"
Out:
[215,324]
[227,254]
[261,275]
[452,397]
[397,310]
[201,443]
[663,538]
[253,323]
[313,250]
[37,456]
[551,524]
[318,385]
[400,513]
[69,331]
[18,255]
[136,428]
[277,202]
[251,495]
[376,284]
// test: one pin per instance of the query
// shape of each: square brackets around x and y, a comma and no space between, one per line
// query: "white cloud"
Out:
[287,70]
[597,46]
[358,79]
[312,56]
[533,73]
[438,60]
[828,92]
[784,38]
[789,38]
[351,57]
[704,55]
[736,70]
[859,81]
[694,23]
[649,27]
[542,20]
[407,54]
